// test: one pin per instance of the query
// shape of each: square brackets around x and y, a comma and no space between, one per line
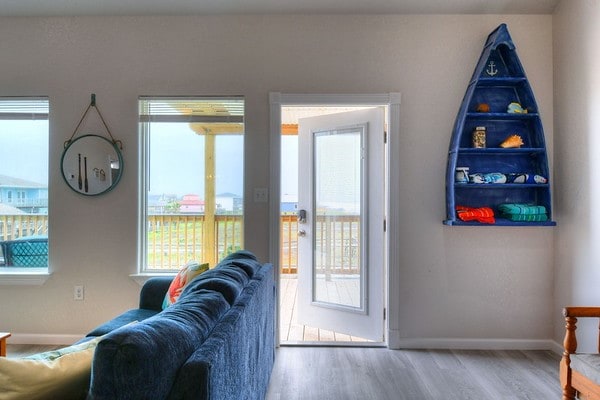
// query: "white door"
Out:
[341,241]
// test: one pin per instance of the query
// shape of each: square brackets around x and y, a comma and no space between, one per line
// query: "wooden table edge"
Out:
[3,337]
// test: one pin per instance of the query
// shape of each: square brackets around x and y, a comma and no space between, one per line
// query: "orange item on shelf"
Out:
[482,214]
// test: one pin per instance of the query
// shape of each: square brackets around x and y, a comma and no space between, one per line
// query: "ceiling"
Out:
[36,8]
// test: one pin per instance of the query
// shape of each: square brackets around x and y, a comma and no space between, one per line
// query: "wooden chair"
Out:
[575,368]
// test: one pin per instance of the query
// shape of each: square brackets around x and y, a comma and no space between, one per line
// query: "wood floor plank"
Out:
[291,331]
[315,373]
[310,334]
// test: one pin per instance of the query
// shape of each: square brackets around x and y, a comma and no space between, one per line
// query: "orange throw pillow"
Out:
[185,275]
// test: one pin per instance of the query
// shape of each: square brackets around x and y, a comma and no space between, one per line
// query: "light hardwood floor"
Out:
[351,373]
[332,373]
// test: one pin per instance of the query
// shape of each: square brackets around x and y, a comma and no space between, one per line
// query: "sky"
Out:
[177,161]
[289,168]
[25,155]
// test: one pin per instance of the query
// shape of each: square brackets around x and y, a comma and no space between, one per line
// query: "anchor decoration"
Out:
[491,69]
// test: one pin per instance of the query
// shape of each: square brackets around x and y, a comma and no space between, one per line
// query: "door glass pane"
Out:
[338,181]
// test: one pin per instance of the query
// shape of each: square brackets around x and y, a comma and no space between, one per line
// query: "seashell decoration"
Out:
[512,142]
[483,108]
[516,108]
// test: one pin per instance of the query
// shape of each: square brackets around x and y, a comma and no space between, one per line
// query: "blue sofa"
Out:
[216,342]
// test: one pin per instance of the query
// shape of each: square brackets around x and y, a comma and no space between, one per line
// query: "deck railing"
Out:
[337,239]
[288,244]
[174,239]
[17,226]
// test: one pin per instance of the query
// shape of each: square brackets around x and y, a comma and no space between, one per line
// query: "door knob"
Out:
[301,232]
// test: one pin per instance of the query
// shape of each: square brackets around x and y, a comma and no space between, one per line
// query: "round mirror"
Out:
[91,165]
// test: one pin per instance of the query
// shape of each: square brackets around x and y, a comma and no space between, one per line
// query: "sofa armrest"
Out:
[153,292]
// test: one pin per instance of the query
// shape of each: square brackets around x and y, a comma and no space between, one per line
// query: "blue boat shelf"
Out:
[498,80]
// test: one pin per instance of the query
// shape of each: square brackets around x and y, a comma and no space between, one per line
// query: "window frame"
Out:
[144,272]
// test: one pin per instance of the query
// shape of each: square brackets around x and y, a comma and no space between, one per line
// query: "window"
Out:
[24,139]
[192,185]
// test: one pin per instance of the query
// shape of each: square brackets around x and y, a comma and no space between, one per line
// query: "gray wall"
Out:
[577,122]
[457,283]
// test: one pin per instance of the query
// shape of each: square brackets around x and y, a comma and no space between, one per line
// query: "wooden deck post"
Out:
[209,237]
[210,232]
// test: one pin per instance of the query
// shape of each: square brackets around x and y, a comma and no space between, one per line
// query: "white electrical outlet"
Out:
[78,292]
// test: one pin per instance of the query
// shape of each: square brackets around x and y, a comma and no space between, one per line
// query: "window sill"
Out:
[24,276]
[143,277]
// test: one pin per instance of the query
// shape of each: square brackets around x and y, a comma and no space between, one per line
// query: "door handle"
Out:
[301,232]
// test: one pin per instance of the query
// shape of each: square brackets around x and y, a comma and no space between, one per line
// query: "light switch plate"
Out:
[261,195]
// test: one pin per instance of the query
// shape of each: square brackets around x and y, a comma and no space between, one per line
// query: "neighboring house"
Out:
[6,209]
[226,203]
[27,196]
[289,208]
[229,203]
[5,227]
[161,204]
[5,223]
[289,203]
[191,203]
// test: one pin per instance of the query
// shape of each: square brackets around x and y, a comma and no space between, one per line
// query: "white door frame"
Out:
[392,100]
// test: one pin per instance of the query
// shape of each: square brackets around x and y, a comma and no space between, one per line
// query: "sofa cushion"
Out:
[227,288]
[588,365]
[240,255]
[185,275]
[144,358]
[242,259]
[138,314]
[227,280]
[57,374]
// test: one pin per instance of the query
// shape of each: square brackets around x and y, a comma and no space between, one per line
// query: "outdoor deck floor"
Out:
[291,332]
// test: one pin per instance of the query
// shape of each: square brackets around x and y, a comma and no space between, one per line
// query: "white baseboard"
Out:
[558,348]
[44,339]
[396,342]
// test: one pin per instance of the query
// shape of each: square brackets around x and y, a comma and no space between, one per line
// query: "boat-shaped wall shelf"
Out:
[497,171]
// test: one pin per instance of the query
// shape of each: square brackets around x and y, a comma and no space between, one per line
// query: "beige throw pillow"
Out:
[60,374]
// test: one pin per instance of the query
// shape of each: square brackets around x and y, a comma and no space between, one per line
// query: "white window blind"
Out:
[204,109]
[24,108]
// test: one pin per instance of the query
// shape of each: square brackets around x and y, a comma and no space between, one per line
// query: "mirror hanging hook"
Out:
[93,104]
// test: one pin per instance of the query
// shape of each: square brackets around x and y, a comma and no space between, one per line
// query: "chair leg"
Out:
[568,394]
[570,345]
